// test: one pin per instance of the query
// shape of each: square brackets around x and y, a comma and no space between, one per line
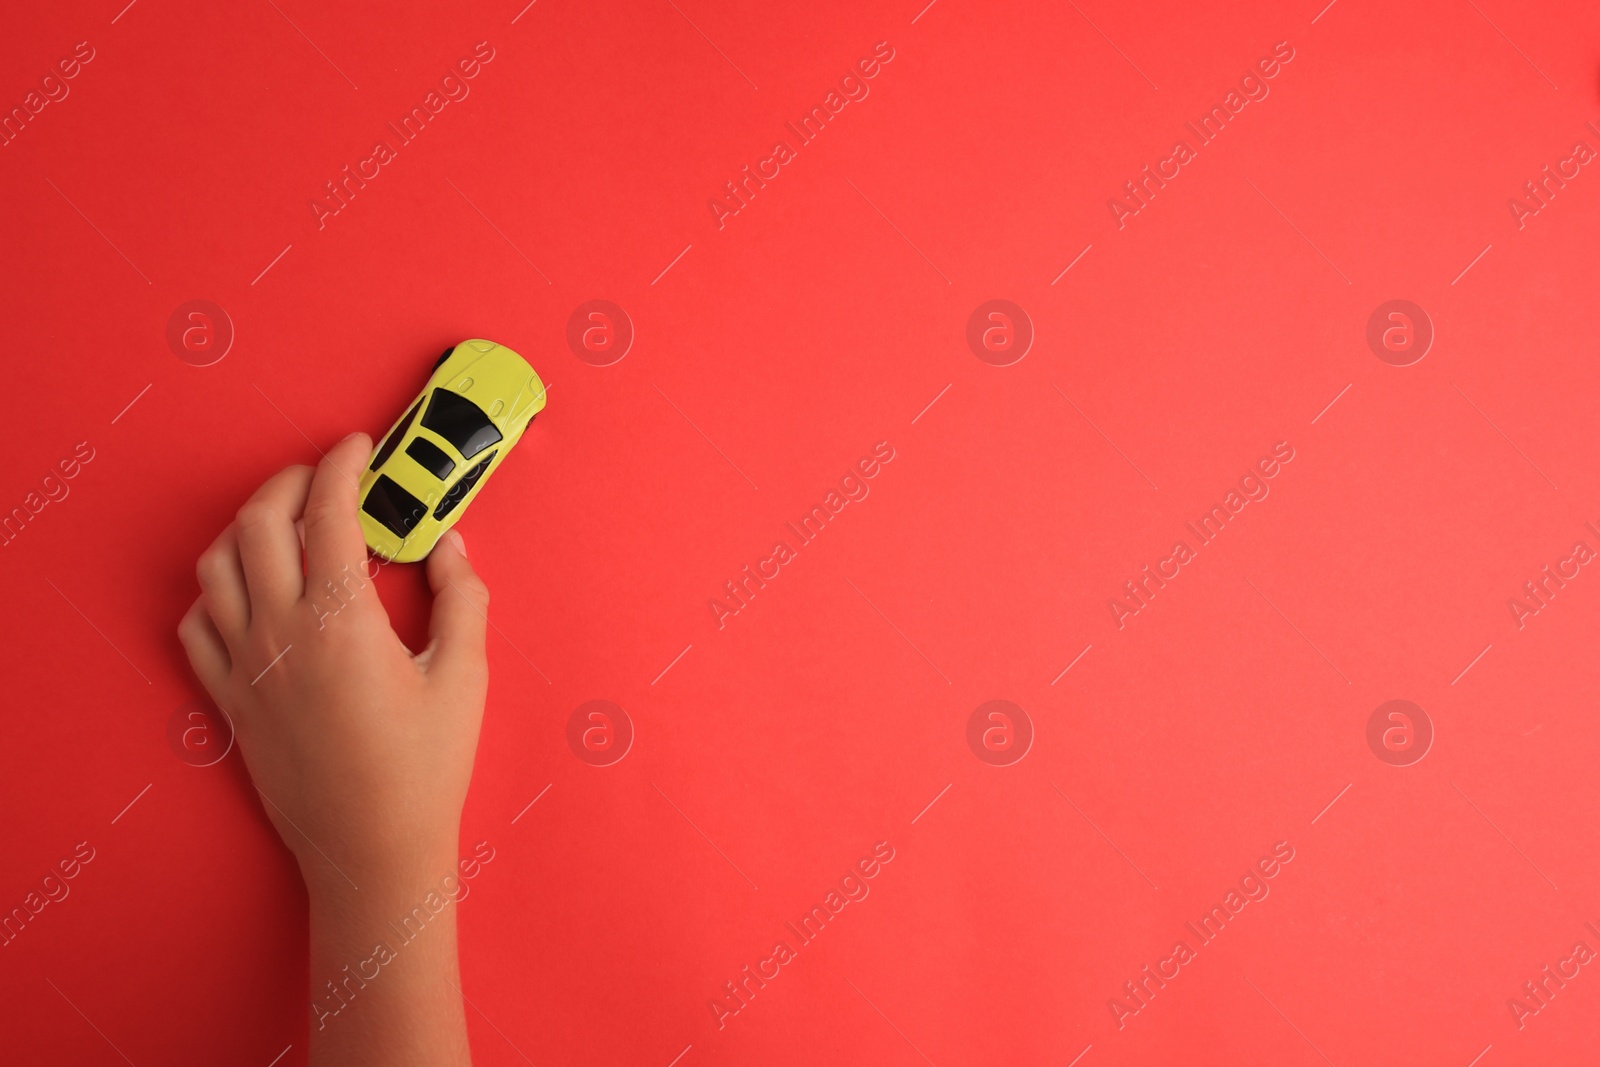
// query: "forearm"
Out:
[384,973]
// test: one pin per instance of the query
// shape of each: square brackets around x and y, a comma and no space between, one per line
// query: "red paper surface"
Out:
[1164,753]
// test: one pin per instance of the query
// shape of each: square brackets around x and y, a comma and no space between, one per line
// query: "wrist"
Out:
[405,907]
[383,961]
[383,876]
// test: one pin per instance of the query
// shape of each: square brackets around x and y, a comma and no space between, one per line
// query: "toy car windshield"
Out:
[461,422]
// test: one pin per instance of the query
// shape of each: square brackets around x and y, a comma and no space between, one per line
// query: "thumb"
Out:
[458,628]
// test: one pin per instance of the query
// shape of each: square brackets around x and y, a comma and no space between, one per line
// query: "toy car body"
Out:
[437,457]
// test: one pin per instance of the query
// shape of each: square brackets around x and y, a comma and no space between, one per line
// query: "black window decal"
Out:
[391,442]
[391,505]
[461,422]
[457,492]
[434,459]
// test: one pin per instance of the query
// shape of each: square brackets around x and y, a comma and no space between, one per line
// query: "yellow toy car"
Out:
[475,406]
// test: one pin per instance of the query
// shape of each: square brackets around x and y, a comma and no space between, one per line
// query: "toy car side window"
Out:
[386,449]
[456,493]
[389,503]
[461,422]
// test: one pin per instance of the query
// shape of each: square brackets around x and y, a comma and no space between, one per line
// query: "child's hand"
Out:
[362,752]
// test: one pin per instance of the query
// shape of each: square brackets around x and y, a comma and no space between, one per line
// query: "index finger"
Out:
[334,544]
[269,549]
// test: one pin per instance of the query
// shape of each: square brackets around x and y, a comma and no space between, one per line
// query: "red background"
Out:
[826,715]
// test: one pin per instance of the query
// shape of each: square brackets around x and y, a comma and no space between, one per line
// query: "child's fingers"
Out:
[460,619]
[208,654]
[269,547]
[334,545]
[222,582]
